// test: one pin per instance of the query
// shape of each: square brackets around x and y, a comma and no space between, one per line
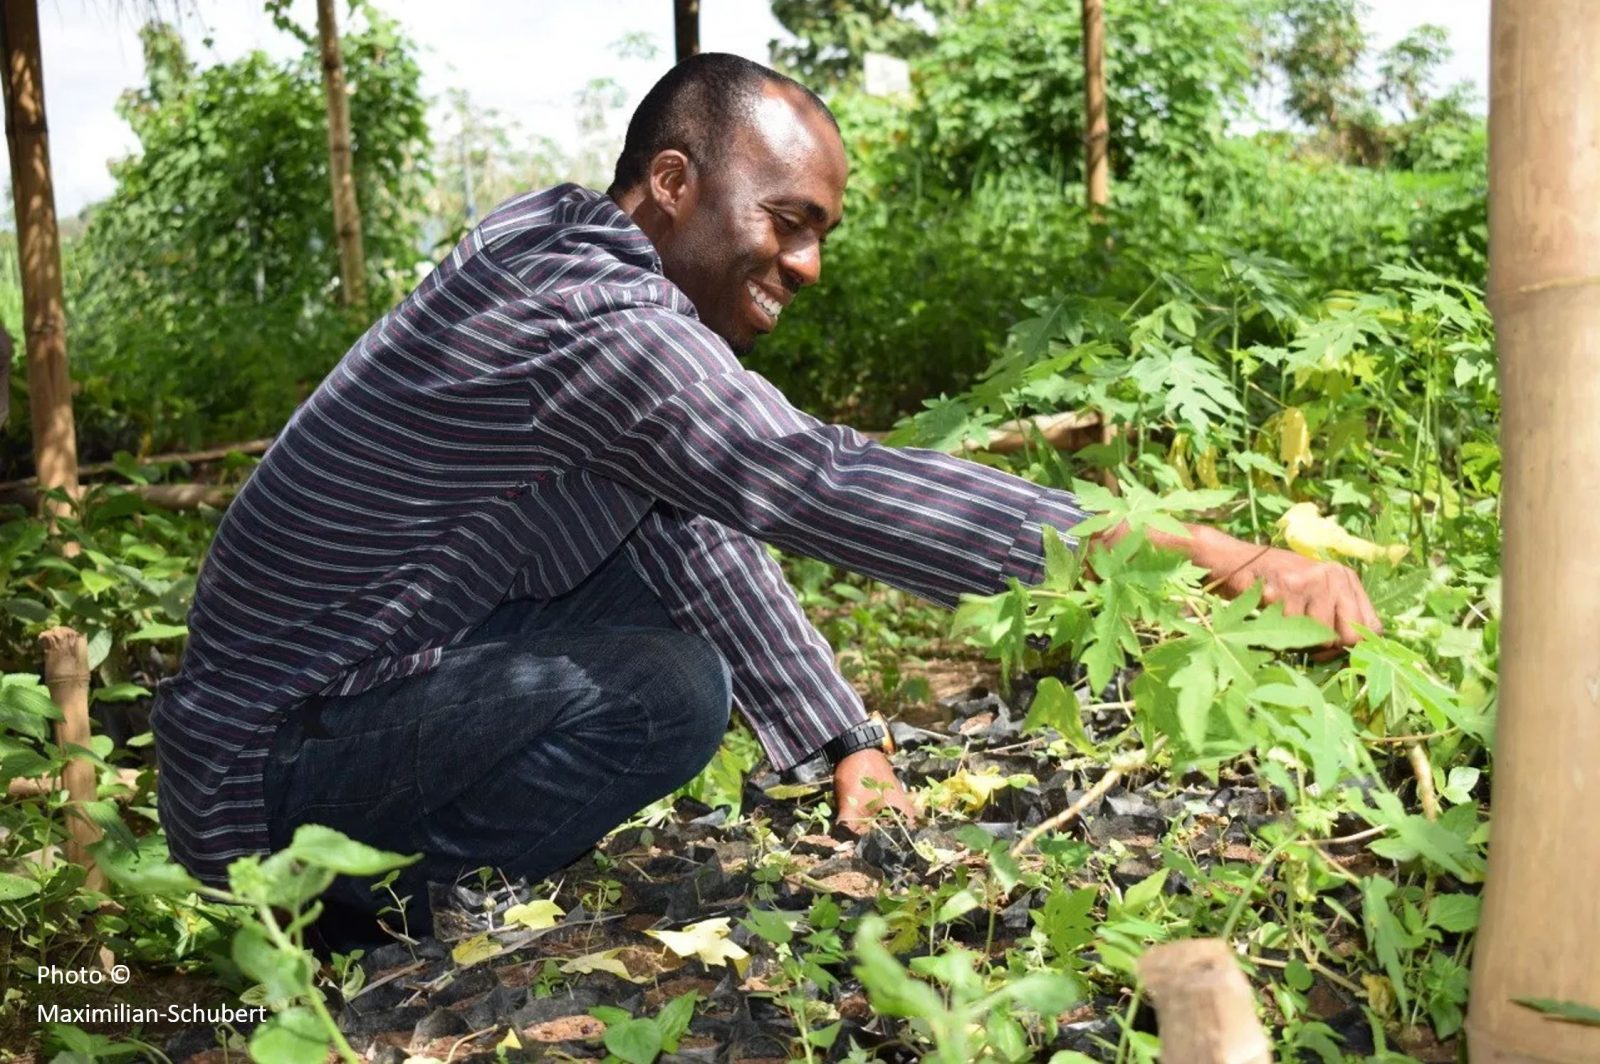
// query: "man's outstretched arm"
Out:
[1324,591]
[725,587]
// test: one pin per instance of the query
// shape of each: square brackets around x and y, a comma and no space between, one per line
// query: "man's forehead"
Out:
[787,135]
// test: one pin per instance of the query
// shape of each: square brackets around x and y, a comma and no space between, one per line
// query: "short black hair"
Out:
[696,108]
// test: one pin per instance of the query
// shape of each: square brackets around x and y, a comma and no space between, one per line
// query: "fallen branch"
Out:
[1070,431]
[38,787]
[1121,767]
[211,454]
[161,496]
[1417,754]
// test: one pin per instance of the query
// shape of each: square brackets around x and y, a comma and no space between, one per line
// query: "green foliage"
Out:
[203,294]
[829,39]
[639,1040]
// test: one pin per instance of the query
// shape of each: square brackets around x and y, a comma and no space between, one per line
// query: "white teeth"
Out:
[765,302]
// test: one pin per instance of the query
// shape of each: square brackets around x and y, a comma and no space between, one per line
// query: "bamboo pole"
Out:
[66,673]
[55,449]
[346,210]
[686,27]
[1096,125]
[1540,933]
[1206,1011]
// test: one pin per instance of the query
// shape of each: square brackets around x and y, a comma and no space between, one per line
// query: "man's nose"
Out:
[802,266]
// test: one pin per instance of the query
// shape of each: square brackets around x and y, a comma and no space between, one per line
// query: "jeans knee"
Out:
[690,689]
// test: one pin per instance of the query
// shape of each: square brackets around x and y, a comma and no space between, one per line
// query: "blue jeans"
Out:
[553,722]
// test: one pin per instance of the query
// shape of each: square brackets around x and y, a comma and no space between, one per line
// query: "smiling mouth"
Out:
[769,308]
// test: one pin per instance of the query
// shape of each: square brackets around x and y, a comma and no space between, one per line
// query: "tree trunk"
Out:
[1541,914]
[346,211]
[55,448]
[686,26]
[1096,126]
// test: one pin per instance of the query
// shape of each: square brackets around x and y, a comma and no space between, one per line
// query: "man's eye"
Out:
[788,223]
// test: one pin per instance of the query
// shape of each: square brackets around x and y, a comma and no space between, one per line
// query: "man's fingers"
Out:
[1348,610]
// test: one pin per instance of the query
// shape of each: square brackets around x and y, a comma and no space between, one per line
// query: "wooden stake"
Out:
[1540,934]
[66,673]
[55,449]
[1203,1002]
[1096,126]
[346,210]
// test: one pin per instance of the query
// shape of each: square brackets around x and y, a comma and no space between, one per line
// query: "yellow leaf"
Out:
[1294,442]
[536,915]
[972,791]
[707,940]
[604,961]
[782,792]
[1206,468]
[1310,534]
[510,1041]
[474,950]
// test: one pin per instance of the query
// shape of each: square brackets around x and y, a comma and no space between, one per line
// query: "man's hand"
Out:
[864,787]
[1324,591]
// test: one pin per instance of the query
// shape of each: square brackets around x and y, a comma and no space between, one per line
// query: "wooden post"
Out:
[346,210]
[66,673]
[55,448]
[686,27]
[1206,1012]
[1096,126]
[1540,934]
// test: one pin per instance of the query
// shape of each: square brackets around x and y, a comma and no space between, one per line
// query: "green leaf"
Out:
[155,630]
[1143,894]
[28,611]
[1457,913]
[636,1041]
[673,1019]
[1416,836]
[1569,1011]
[292,1037]
[120,692]
[1047,993]
[327,848]
[1056,706]
[139,872]
[774,925]
[96,582]
[891,990]
[285,974]
[14,887]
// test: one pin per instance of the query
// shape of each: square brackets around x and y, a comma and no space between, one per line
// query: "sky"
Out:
[526,59]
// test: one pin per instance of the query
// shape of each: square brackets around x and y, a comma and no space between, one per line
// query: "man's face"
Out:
[747,236]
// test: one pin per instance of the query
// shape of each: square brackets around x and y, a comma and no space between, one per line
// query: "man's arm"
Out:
[724,586]
[1325,591]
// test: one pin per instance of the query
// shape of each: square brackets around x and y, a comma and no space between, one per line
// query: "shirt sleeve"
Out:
[656,401]
[724,586]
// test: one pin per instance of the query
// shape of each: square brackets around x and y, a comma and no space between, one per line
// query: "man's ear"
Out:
[671,185]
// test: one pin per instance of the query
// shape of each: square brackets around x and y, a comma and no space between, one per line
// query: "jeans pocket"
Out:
[459,746]
[363,779]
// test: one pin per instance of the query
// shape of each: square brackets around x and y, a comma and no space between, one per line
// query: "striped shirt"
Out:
[544,398]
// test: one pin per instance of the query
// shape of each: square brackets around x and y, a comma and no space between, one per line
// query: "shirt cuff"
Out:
[1059,510]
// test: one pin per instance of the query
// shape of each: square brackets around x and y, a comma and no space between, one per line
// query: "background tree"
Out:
[831,36]
[205,282]
[346,204]
[55,452]
[686,27]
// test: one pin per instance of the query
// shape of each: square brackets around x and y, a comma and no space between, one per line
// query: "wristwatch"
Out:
[873,732]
